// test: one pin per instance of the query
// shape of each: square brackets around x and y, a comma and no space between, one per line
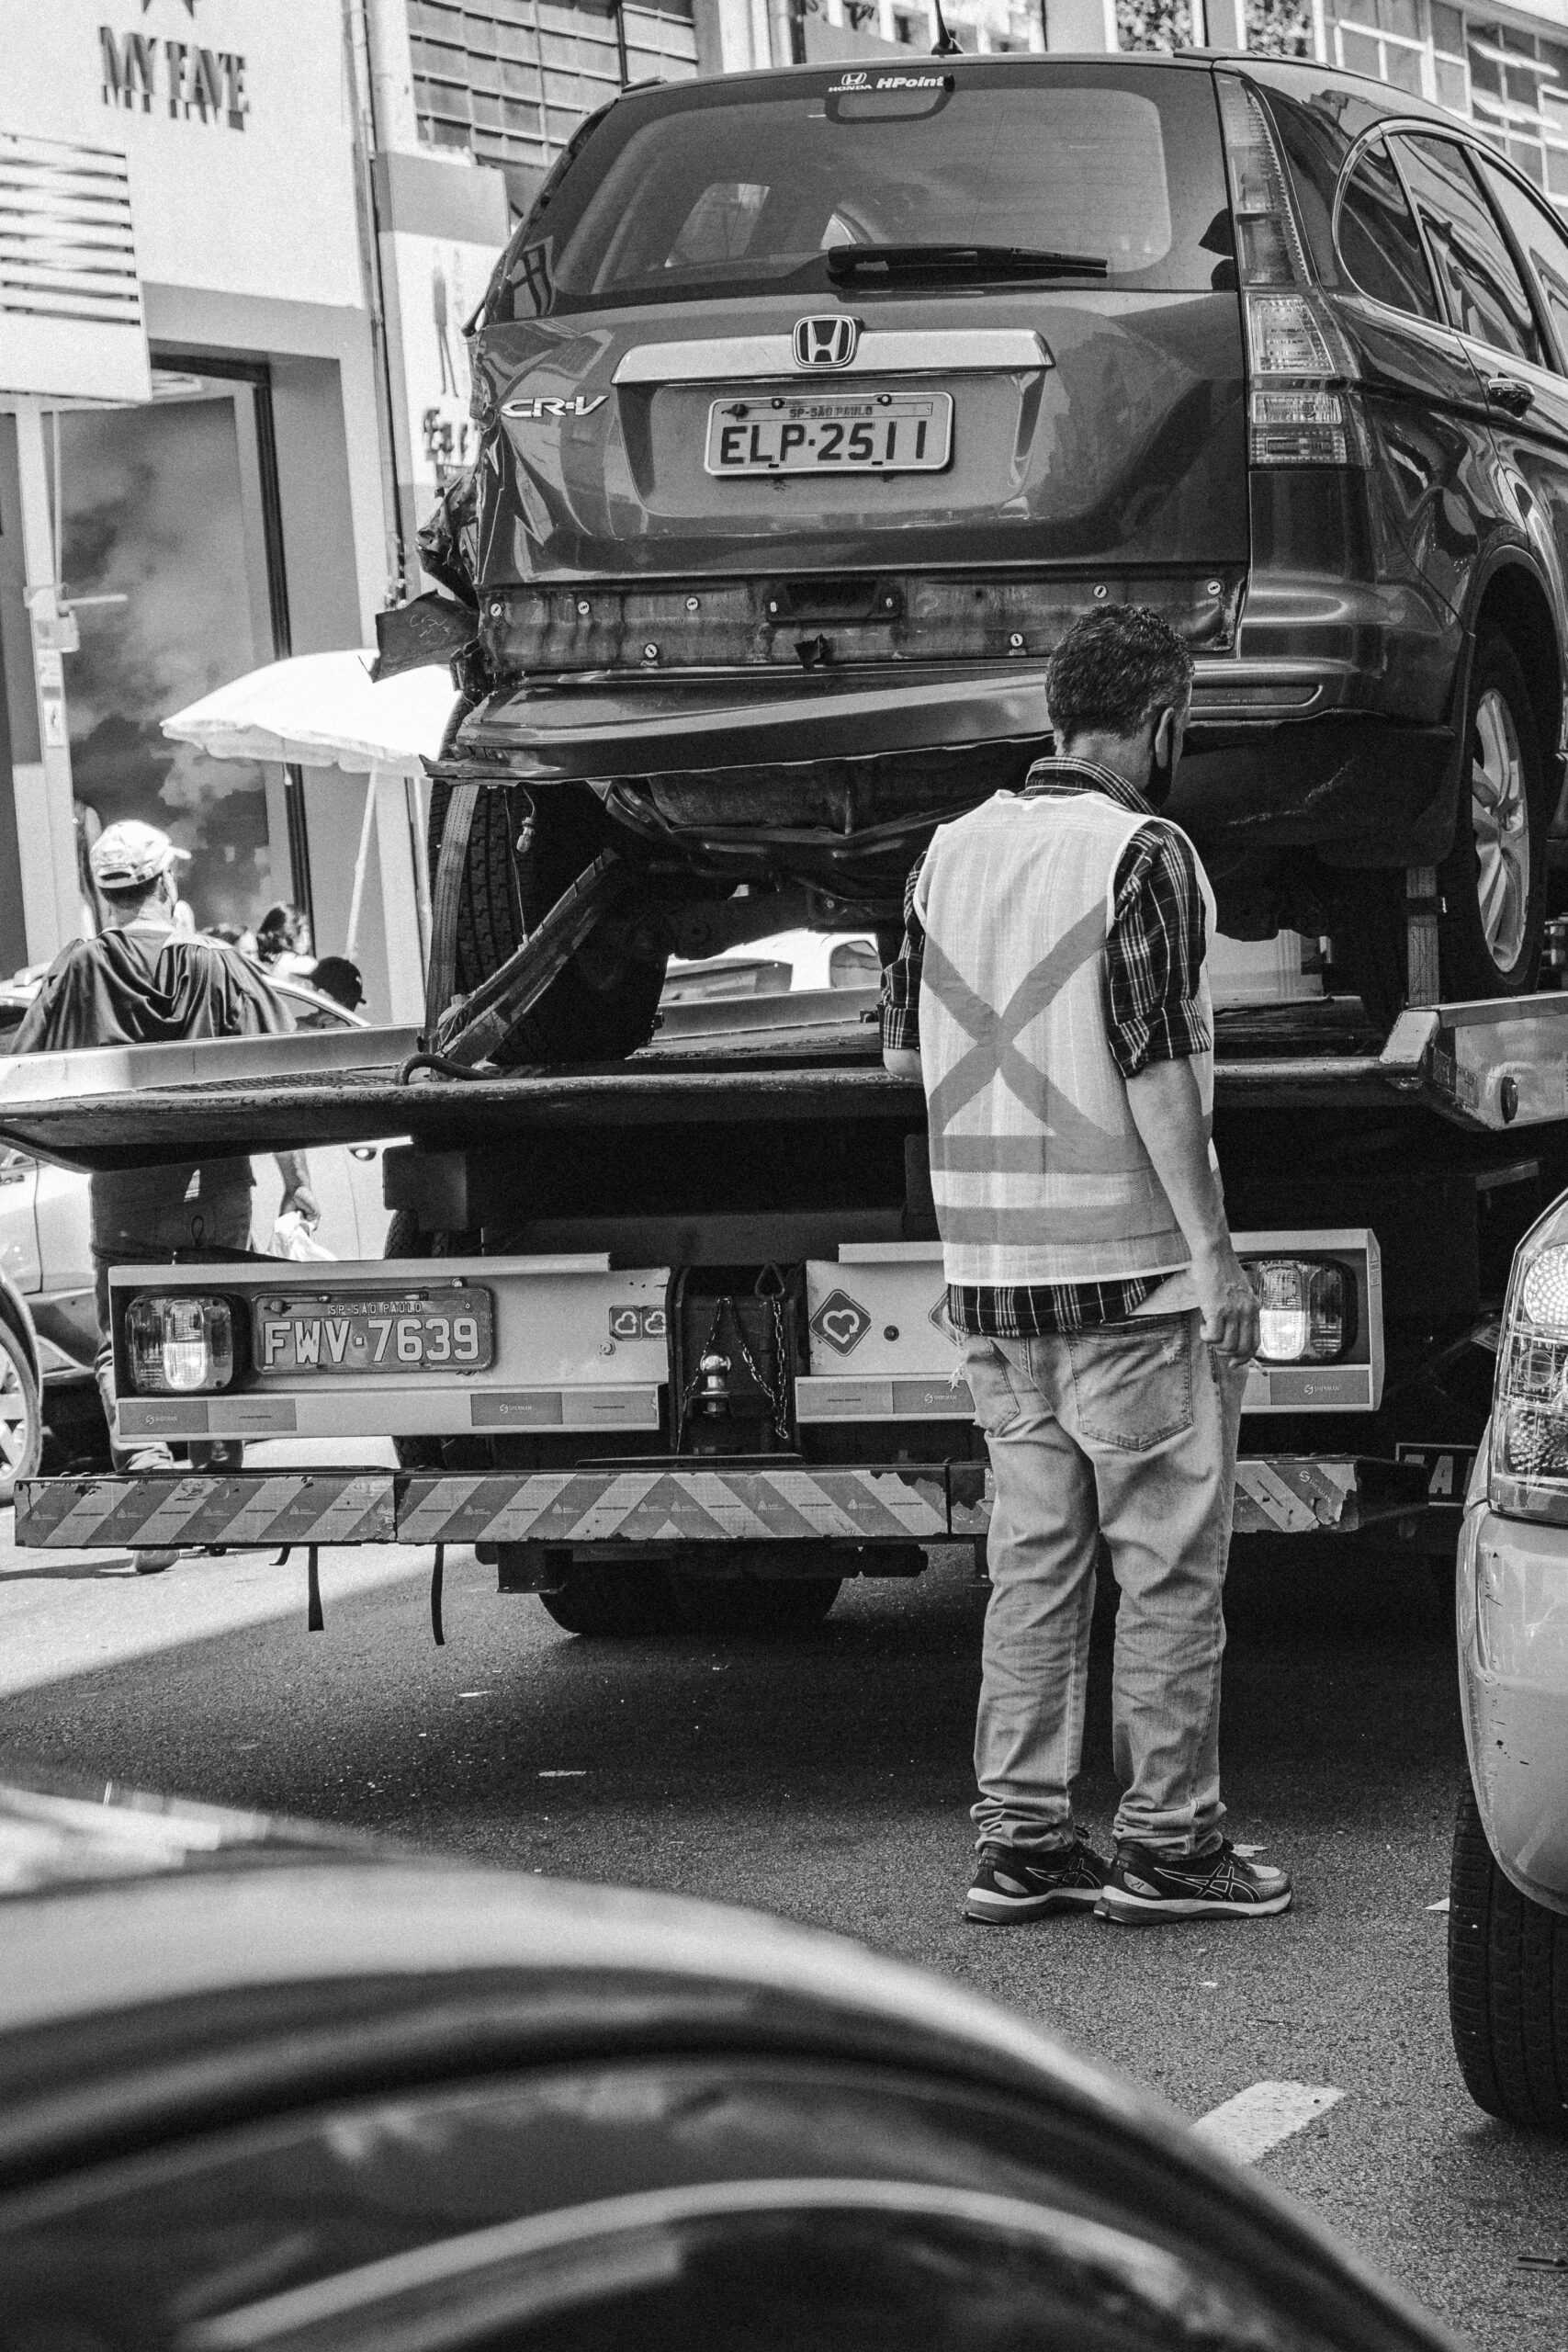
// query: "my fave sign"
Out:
[191,84]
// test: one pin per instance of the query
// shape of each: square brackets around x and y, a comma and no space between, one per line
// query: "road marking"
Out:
[1259,2118]
[1439,1906]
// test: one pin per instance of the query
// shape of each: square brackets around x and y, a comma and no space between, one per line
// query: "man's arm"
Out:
[901,992]
[1153,966]
[295,1171]
[1169,1112]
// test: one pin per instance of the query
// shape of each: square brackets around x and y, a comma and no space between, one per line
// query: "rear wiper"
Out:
[865,261]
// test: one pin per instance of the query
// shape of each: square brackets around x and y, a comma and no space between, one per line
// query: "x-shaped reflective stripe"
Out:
[1087,1149]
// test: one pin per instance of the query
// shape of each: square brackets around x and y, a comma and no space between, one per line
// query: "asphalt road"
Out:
[828,1779]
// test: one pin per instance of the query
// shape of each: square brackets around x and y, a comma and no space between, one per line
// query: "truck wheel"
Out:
[1493,881]
[603,1006]
[1507,1987]
[743,1605]
[611,1602]
[21,1415]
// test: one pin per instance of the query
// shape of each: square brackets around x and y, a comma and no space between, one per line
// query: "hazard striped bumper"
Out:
[658,1502]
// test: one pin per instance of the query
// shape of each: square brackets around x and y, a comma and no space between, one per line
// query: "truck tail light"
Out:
[180,1346]
[1302,1310]
[1530,1420]
[1301,411]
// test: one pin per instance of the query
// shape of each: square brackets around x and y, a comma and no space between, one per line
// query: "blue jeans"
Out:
[1129,1433]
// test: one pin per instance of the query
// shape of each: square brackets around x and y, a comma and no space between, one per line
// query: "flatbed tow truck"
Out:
[664,1338]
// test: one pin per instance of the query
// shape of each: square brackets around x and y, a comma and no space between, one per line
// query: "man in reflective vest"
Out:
[1052,995]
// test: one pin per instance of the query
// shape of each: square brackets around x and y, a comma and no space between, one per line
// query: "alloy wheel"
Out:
[1500,817]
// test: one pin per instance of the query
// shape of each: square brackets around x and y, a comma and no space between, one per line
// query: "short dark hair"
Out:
[1114,671]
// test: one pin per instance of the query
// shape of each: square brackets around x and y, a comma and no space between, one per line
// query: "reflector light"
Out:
[1300,1310]
[180,1347]
[1303,428]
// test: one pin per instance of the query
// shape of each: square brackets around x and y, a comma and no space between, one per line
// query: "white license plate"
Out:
[864,432]
[445,1330]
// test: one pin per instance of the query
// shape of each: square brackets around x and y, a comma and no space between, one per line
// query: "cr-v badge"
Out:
[534,410]
[825,343]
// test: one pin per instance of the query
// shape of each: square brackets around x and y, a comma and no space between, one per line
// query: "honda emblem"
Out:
[825,343]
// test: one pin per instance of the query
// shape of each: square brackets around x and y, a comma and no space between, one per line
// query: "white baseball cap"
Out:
[129,855]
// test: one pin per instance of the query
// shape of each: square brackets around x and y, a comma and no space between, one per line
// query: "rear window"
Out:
[744,188]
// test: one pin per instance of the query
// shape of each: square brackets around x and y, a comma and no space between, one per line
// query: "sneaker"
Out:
[1009,1887]
[1144,1885]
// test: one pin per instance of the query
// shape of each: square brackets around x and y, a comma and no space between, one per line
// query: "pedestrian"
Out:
[1053,995]
[283,941]
[335,977]
[145,980]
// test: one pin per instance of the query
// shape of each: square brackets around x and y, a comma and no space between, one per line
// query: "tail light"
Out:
[1301,411]
[179,1347]
[1530,1420]
[1303,1310]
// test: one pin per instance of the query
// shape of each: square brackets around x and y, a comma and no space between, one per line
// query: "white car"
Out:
[1509,1894]
[47,1263]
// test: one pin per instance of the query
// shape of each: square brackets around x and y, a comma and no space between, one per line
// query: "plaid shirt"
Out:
[1153,953]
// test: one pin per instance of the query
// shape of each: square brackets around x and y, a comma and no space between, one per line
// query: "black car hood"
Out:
[668,725]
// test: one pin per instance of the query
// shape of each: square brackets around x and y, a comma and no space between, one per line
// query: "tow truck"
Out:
[664,1340]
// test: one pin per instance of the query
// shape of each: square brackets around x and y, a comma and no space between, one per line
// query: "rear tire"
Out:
[1507,1987]
[742,1605]
[21,1415]
[611,1603]
[602,1005]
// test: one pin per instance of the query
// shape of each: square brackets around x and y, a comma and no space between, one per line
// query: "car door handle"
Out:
[1507,392]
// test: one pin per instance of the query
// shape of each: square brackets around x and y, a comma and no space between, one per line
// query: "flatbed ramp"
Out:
[1488,1067]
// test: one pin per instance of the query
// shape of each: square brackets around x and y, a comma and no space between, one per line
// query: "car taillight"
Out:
[180,1346]
[1529,1476]
[1298,364]
[1301,1309]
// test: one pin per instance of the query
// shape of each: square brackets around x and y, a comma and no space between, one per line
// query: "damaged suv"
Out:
[814,405]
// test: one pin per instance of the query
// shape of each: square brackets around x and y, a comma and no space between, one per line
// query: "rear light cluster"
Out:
[1304,1313]
[180,1347]
[1529,1421]
[1300,412]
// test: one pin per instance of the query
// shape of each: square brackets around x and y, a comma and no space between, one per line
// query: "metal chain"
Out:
[776,1398]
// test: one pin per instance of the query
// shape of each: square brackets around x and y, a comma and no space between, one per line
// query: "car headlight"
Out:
[1529,1422]
[180,1346]
[1301,1309]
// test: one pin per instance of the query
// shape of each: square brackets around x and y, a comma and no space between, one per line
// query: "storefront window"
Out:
[163,514]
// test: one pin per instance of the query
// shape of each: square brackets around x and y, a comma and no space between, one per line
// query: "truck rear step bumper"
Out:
[643,1503]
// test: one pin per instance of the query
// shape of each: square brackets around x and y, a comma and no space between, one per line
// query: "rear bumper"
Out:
[831,770]
[652,1503]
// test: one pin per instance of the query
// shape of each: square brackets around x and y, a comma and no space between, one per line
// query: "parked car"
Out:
[1509,1896]
[261,2086]
[814,405]
[49,1332]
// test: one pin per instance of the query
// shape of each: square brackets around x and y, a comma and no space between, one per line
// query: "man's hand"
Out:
[300,1197]
[1228,1302]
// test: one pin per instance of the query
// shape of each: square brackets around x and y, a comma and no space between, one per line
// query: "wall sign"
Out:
[192,82]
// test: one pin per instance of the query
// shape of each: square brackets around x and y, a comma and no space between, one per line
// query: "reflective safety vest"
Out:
[1038,1169]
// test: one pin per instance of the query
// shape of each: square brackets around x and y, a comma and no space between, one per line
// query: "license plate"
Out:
[838,433]
[441,1331]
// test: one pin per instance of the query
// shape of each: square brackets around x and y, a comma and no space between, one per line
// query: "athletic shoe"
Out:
[148,1563]
[1145,1885]
[1009,1887]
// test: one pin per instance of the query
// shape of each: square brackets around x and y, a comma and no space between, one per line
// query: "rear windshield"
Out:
[743,188]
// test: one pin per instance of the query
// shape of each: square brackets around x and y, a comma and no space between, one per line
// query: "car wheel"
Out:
[21,1415]
[1492,882]
[611,1603]
[1507,1986]
[764,1610]
[602,1005]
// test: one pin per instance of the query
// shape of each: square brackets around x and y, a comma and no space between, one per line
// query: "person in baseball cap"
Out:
[147,980]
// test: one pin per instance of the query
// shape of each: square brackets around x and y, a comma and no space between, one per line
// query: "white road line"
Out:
[1259,2118]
